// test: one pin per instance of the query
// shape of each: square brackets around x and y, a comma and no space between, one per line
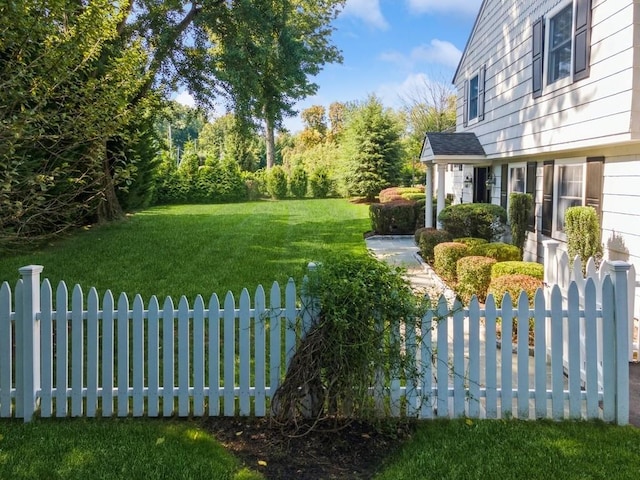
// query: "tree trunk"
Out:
[109,208]
[271,155]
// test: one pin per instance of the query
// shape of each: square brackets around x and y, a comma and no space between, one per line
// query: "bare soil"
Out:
[353,451]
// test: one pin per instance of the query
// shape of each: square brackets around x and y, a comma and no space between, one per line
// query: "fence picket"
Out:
[62,350]
[153,352]
[412,367]
[122,326]
[5,350]
[394,393]
[474,358]
[198,337]
[608,352]
[540,354]
[557,344]
[442,358]
[591,340]
[574,351]
[458,359]
[46,349]
[138,356]
[274,339]
[92,352]
[214,355]
[183,357]
[506,357]
[168,365]
[427,355]
[77,350]
[244,346]
[523,356]
[108,317]
[229,346]
[260,352]
[491,360]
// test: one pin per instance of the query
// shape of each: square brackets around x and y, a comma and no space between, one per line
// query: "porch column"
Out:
[442,169]
[428,192]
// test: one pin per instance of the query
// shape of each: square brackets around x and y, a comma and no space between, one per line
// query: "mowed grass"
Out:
[493,449]
[114,449]
[200,249]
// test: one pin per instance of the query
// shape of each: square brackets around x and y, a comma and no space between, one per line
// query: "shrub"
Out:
[320,183]
[502,252]
[413,196]
[392,218]
[471,241]
[393,194]
[481,220]
[298,182]
[428,239]
[256,184]
[520,205]
[514,284]
[445,258]
[532,269]
[582,227]
[277,182]
[474,277]
[419,214]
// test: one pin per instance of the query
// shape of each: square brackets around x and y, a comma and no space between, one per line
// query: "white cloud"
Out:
[394,94]
[185,98]
[437,51]
[368,11]
[470,7]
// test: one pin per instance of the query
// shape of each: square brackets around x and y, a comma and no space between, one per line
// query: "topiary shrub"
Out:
[395,218]
[428,239]
[582,228]
[474,277]
[481,220]
[533,269]
[445,258]
[277,182]
[520,205]
[471,241]
[298,182]
[502,252]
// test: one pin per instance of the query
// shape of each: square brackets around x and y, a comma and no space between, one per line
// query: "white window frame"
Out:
[567,162]
[564,81]
[471,120]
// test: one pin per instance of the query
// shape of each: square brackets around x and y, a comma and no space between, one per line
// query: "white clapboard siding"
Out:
[105,360]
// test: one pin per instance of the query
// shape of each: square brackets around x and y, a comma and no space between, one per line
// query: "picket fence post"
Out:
[28,377]
[550,261]
[621,320]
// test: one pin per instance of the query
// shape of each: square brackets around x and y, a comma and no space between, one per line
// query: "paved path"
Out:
[402,251]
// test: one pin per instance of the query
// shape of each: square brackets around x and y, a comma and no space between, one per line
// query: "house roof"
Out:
[466,47]
[445,146]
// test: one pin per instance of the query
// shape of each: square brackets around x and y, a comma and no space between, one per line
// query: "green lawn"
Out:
[201,249]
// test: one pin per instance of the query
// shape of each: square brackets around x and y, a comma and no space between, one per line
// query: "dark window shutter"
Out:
[465,104]
[595,175]
[538,55]
[582,40]
[531,190]
[481,81]
[504,186]
[547,197]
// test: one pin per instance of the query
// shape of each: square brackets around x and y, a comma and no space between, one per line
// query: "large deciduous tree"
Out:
[267,53]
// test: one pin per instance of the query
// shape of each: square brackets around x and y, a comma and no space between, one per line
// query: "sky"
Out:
[390,48]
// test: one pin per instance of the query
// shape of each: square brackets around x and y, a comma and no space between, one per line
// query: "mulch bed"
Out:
[354,451]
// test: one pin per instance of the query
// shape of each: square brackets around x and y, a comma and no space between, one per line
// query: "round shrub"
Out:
[277,182]
[532,269]
[428,239]
[298,182]
[481,220]
[474,277]
[514,284]
[395,218]
[445,258]
[471,241]
[502,252]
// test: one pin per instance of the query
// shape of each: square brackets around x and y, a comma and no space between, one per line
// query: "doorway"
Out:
[481,193]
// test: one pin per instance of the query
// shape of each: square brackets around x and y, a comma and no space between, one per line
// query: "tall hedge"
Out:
[520,206]
[481,220]
[393,218]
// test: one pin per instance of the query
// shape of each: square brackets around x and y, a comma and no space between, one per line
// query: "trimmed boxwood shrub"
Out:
[502,252]
[445,259]
[298,182]
[532,269]
[277,182]
[395,218]
[514,284]
[428,239]
[481,220]
[582,226]
[474,277]
[471,241]
[393,194]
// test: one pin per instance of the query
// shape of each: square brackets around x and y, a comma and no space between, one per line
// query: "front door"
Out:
[481,193]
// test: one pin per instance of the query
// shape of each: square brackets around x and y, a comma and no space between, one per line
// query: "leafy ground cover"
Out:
[201,249]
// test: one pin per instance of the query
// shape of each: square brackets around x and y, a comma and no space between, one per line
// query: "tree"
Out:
[267,53]
[371,149]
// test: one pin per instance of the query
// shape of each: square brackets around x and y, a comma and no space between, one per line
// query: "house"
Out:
[550,92]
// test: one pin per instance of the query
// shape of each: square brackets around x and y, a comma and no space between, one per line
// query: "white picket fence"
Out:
[101,360]
[560,270]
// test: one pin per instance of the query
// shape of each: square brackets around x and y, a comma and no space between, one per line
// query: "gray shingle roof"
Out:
[462,143]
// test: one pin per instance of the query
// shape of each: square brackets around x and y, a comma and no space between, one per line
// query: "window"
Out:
[516,179]
[561,46]
[473,98]
[570,191]
[560,37]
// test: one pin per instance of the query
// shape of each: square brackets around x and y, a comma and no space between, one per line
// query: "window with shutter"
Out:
[531,190]
[547,197]
[504,186]
[593,190]
[582,40]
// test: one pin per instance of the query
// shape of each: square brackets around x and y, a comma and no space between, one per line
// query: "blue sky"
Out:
[391,48]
